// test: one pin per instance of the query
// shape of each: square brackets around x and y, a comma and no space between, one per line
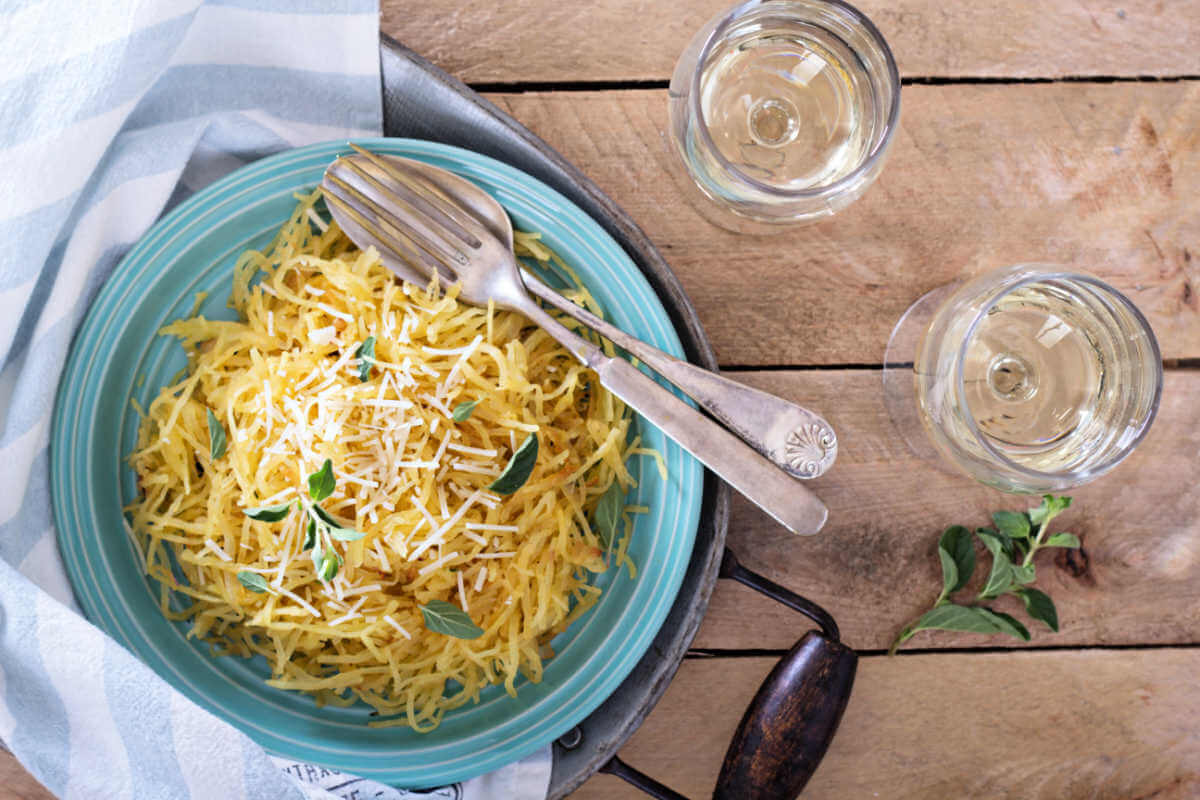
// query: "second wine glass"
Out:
[1029,378]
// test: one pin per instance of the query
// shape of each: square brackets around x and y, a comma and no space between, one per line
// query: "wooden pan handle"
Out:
[790,723]
[788,726]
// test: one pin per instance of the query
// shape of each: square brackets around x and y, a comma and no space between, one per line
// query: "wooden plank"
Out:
[1111,724]
[875,565]
[1097,724]
[630,40]
[1099,177]
[16,783]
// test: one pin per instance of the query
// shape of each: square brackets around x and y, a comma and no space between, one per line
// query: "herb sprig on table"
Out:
[1012,543]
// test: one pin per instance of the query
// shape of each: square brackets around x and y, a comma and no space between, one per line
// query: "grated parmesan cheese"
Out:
[322,336]
[286,385]
[398,627]
[212,546]
[438,563]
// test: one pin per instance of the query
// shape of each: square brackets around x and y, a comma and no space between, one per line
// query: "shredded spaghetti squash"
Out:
[334,360]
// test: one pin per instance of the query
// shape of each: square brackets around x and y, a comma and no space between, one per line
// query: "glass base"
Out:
[899,386]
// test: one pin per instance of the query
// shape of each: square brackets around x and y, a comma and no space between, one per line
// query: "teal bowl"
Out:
[118,357]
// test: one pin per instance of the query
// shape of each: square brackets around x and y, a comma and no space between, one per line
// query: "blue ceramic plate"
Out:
[118,355]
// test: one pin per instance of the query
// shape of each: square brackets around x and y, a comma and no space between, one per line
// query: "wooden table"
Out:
[1057,130]
[1032,130]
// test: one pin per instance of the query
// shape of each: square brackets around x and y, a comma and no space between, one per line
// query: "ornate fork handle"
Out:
[800,442]
[791,504]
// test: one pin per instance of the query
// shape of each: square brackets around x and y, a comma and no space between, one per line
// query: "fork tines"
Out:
[399,209]
[426,195]
[397,249]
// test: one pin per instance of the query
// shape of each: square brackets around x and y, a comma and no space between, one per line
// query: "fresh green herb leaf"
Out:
[1000,579]
[1039,606]
[328,566]
[949,574]
[329,519]
[1012,524]
[216,436]
[447,618]
[1008,624]
[462,411]
[1012,545]
[310,534]
[325,517]
[337,530]
[968,619]
[321,483]
[519,468]
[1006,544]
[951,617]
[346,534]
[253,581]
[1019,548]
[268,513]
[366,358]
[1023,573]
[957,545]
[607,517]
[1050,508]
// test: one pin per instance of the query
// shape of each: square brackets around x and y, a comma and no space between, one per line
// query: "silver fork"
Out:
[419,232]
[797,440]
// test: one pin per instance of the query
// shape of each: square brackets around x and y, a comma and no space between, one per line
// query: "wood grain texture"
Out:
[1097,724]
[16,783]
[875,566]
[1100,177]
[634,40]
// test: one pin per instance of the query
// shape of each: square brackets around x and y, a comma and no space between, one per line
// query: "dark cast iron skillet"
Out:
[789,724]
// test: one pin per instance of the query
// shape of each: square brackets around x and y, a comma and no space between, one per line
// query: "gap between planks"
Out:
[1094,175]
[525,87]
[1168,365]
[705,653]
[1037,726]
[632,40]
[875,567]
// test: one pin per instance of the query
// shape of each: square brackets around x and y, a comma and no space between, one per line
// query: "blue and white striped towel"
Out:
[111,112]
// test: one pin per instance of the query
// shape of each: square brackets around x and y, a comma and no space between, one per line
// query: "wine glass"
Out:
[781,111]
[1029,378]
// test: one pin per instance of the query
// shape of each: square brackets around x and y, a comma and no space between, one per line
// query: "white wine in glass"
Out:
[1033,379]
[782,112]
[787,104]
